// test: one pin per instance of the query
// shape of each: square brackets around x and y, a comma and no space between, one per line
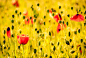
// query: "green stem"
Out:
[23,51]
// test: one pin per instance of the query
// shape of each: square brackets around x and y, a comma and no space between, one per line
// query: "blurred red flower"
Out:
[15,3]
[77,17]
[60,27]
[22,39]
[8,32]
[25,13]
[57,17]
[27,20]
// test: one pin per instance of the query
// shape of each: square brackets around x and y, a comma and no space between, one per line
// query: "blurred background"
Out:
[44,40]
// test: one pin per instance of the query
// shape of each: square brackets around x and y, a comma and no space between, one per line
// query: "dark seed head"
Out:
[4,41]
[53,14]
[67,23]
[20,13]
[46,55]
[4,31]
[54,48]
[48,11]
[71,8]
[34,20]
[12,21]
[80,48]
[50,33]
[50,56]
[59,7]
[67,42]
[41,49]
[30,17]
[39,43]
[79,30]
[38,4]
[16,11]
[23,17]
[12,35]
[44,23]
[12,16]
[70,40]
[75,32]
[35,29]
[72,46]
[77,14]
[85,47]
[34,50]
[8,48]
[81,40]
[58,43]
[44,17]
[12,27]
[69,34]
[8,29]
[61,12]
[68,15]
[52,44]
[72,52]
[60,21]
[59,29]
[5,47]
[18,47]
[62,51]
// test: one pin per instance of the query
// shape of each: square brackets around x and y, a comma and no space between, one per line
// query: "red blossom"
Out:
[22,39]
[8,32]
[60,27]
[57,17]
[15,3]
[77,17]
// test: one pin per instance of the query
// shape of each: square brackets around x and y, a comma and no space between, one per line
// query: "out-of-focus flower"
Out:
[22,39]
[8,32]
[15,3]
[77,17]
[57,17]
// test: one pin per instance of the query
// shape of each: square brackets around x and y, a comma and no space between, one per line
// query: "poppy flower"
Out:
[81,51]
[50,11]
[22,39]
[8,32]
[15,3]
[27,20]
[32,21]
[60,27]
[25,12]
[77,17]
[57,17]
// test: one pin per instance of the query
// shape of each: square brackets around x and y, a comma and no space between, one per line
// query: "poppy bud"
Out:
[8,32]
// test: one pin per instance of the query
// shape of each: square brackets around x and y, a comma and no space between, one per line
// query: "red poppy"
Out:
[77,17]
[57,17]
[27,20]
[81,51]
[78,46]
[60,27]
[15,3]
[32,21]
[22,39]
[25,12]
[8,32]
[50,11]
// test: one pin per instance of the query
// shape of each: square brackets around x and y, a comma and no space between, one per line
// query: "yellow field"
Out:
[44,41]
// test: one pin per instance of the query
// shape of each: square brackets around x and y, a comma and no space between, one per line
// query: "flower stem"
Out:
[23,51]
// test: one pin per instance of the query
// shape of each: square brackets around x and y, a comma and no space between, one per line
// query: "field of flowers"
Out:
[42,28]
